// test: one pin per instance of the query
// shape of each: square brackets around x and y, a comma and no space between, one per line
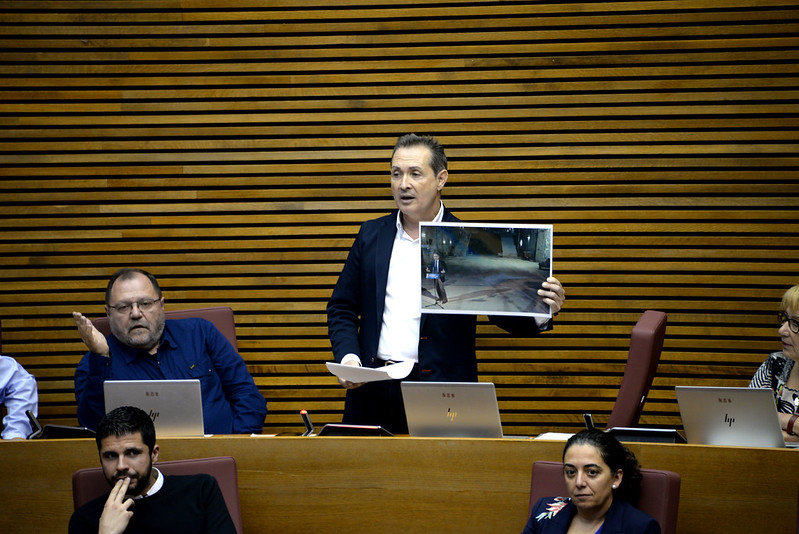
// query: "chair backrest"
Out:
[659,496]
[221,316]
[646,343]
[90,483]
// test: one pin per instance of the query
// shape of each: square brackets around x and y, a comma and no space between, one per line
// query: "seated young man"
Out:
[142,500]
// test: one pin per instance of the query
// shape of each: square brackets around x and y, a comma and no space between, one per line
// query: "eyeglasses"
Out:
[793,324]
[143,305]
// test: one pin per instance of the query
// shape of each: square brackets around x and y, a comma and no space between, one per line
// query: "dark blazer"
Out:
[622,518]
[355,312]
[442,269]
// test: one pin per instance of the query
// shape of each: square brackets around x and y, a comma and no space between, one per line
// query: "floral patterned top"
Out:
[553,508]
[773,373]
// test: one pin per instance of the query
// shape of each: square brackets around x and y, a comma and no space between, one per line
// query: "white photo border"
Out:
[508,273]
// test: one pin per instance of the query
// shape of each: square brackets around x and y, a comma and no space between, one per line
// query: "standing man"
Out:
[373,315]
[438,270]
[142,500]
[145,346]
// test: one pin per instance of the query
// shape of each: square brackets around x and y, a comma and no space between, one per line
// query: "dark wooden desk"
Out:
[293,484]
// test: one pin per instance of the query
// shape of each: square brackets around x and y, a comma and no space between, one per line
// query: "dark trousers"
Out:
[440,291]
[379,404]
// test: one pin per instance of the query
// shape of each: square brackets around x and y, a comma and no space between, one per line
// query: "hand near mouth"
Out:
[116,512]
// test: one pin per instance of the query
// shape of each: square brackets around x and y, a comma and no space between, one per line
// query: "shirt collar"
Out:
[401,231]
[159,483]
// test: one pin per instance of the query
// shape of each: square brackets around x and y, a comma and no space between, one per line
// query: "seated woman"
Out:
[602,477]
[778,372]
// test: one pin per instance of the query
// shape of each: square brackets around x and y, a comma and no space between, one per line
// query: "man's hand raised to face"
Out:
[116,512]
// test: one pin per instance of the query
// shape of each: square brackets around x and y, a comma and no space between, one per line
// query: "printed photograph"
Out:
[485,269]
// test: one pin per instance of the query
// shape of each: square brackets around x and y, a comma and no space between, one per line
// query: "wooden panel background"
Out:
[234,147]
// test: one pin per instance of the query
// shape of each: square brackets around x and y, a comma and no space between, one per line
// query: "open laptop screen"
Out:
[174,405]
[451,409]
[739,416]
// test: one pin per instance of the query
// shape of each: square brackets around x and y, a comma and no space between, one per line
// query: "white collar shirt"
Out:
[399,333]
[159,483]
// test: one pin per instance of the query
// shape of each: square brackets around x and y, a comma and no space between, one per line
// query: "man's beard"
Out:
[138,484]
[152,340]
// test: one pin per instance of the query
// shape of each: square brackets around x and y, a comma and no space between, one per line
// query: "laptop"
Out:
[745,417]
[451,409]
[175,405]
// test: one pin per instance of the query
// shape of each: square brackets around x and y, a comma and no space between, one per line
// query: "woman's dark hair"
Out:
[616,456]
[124,421]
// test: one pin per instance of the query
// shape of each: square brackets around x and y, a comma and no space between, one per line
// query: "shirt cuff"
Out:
[351,358]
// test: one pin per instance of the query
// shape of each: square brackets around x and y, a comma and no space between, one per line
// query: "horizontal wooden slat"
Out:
[234,149]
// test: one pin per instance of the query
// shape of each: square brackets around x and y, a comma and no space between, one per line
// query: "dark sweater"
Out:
[190,504]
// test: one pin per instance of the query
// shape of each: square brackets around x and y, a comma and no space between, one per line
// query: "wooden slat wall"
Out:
[234,147]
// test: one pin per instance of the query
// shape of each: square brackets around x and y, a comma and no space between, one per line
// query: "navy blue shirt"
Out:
[190,348]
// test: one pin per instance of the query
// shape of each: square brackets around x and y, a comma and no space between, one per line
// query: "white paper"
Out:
[357,374]
[554,436]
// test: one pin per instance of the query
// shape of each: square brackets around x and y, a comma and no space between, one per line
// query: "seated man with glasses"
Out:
[145,346]
[779,371]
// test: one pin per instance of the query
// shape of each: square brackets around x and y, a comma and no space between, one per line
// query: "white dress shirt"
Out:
[402,315]
[159,483]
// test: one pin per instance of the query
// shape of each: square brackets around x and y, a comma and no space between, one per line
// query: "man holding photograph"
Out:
[374,317]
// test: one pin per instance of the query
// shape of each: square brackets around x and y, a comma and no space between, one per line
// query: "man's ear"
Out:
[442,179]
[154,453]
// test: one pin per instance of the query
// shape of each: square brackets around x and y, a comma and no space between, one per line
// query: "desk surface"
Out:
[290,484]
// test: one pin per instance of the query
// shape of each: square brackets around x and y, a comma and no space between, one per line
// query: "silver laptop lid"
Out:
[745,417]
[451,409]
[174,405]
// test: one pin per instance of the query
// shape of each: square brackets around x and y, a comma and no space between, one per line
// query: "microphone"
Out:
[589,421]
[307,421]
